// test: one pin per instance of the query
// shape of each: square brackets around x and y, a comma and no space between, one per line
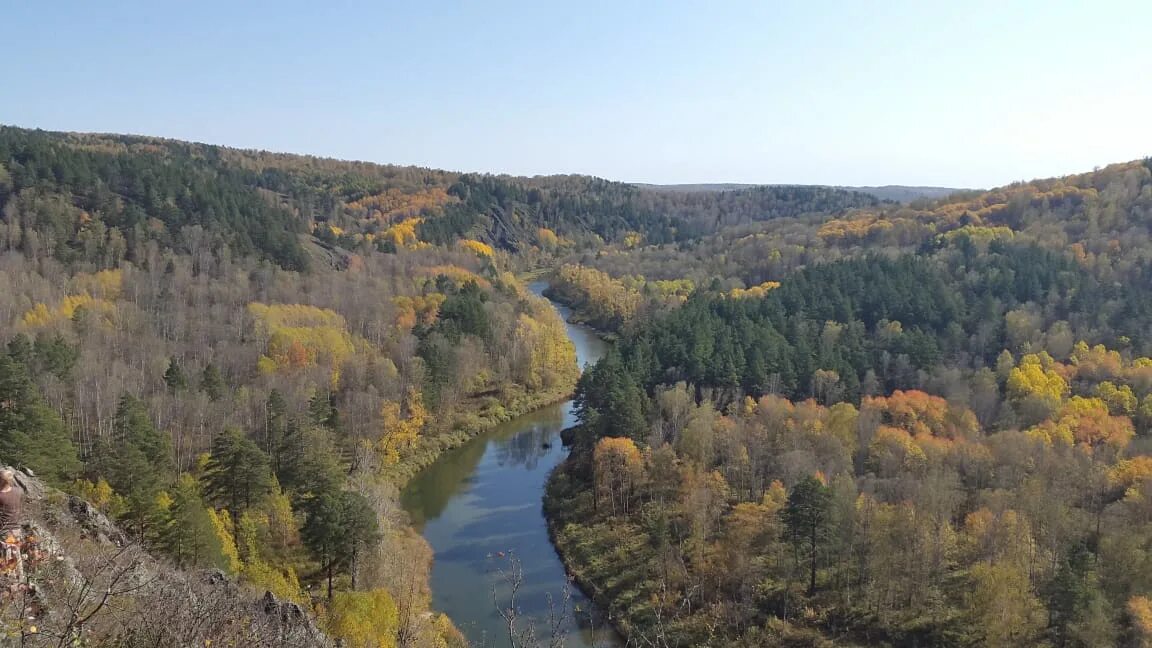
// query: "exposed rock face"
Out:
[95,524]
[91,582]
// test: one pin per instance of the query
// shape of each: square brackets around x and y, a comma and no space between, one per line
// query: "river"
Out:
[482,502]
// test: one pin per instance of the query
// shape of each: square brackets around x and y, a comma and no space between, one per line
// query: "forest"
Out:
[924,424]
[194,354]
[826,419]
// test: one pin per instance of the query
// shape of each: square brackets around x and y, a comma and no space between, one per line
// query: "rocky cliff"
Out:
[87,584]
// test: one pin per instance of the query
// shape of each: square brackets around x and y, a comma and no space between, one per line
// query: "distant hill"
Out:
[263,204]
[894,193]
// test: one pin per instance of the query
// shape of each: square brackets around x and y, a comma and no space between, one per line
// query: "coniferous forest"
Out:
[826,419]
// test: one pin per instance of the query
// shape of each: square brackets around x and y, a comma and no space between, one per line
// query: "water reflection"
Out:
[526,447]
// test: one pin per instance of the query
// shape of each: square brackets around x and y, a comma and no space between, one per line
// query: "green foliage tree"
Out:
[212,382]
[20,349]
[174,377]
[610,402]
[136,460]
[54,355]
[340,525]
[309,462]
[806,516]
[188,535]
[275,426]
[238,474]
[31,433]
[322,410]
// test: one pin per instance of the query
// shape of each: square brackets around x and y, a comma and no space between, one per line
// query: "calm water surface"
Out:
[484,498]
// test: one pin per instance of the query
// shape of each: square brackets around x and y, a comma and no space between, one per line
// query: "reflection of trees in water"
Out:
[429,492]
[527,446]
[516,443]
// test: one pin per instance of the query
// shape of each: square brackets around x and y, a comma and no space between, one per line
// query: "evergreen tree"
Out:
[211,382]
[309,462]
[174,377]
[20,349]
[188,535]
[322,410]
[136,461]
[806,517]
[133,426]
[237,474]
[340,525]
[610,402]
[54,355]
[31,433]
[1069,593]
[275,426]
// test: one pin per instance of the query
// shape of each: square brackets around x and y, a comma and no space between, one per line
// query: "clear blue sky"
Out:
[970,93]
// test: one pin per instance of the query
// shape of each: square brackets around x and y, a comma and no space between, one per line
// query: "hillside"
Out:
[893,193]
[83,573]
[907,425]
[256,202]
[241,356]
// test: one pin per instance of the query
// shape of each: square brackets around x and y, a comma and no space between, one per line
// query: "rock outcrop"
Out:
[88,583]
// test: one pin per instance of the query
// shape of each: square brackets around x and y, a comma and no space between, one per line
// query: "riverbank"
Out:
[576,316]
[564,504]
[479,504]
[469,426]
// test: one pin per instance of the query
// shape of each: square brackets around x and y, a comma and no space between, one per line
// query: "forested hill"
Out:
[894,193]
[240,356]
[911,425]
[98,198]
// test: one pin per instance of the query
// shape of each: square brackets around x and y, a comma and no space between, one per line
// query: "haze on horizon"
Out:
[972,94]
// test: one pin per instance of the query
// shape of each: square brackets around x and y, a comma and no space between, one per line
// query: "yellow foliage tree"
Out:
[222,527]
[477,247]
[1087,422]
[1032,379]
[298,336]
[363,619]
[403,234]
[1129,472]
[401,429]
[1140,612]
[608,301]
[547,238]
[41,315]
[543,352]
[754,292]
[1120,400]
[105,284]
[617,467]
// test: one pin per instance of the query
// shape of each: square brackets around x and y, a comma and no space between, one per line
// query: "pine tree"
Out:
[275,426]
[31,433]
[20,349]
[309,462]
[807,516]
[55,355]
[322,410]
[238,474]
[211,382]
[136,461]
[133,425]
[174,377]
[339,527]
[188,535]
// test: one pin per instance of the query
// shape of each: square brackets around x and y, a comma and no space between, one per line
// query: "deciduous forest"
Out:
[826,419]
[921,424]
